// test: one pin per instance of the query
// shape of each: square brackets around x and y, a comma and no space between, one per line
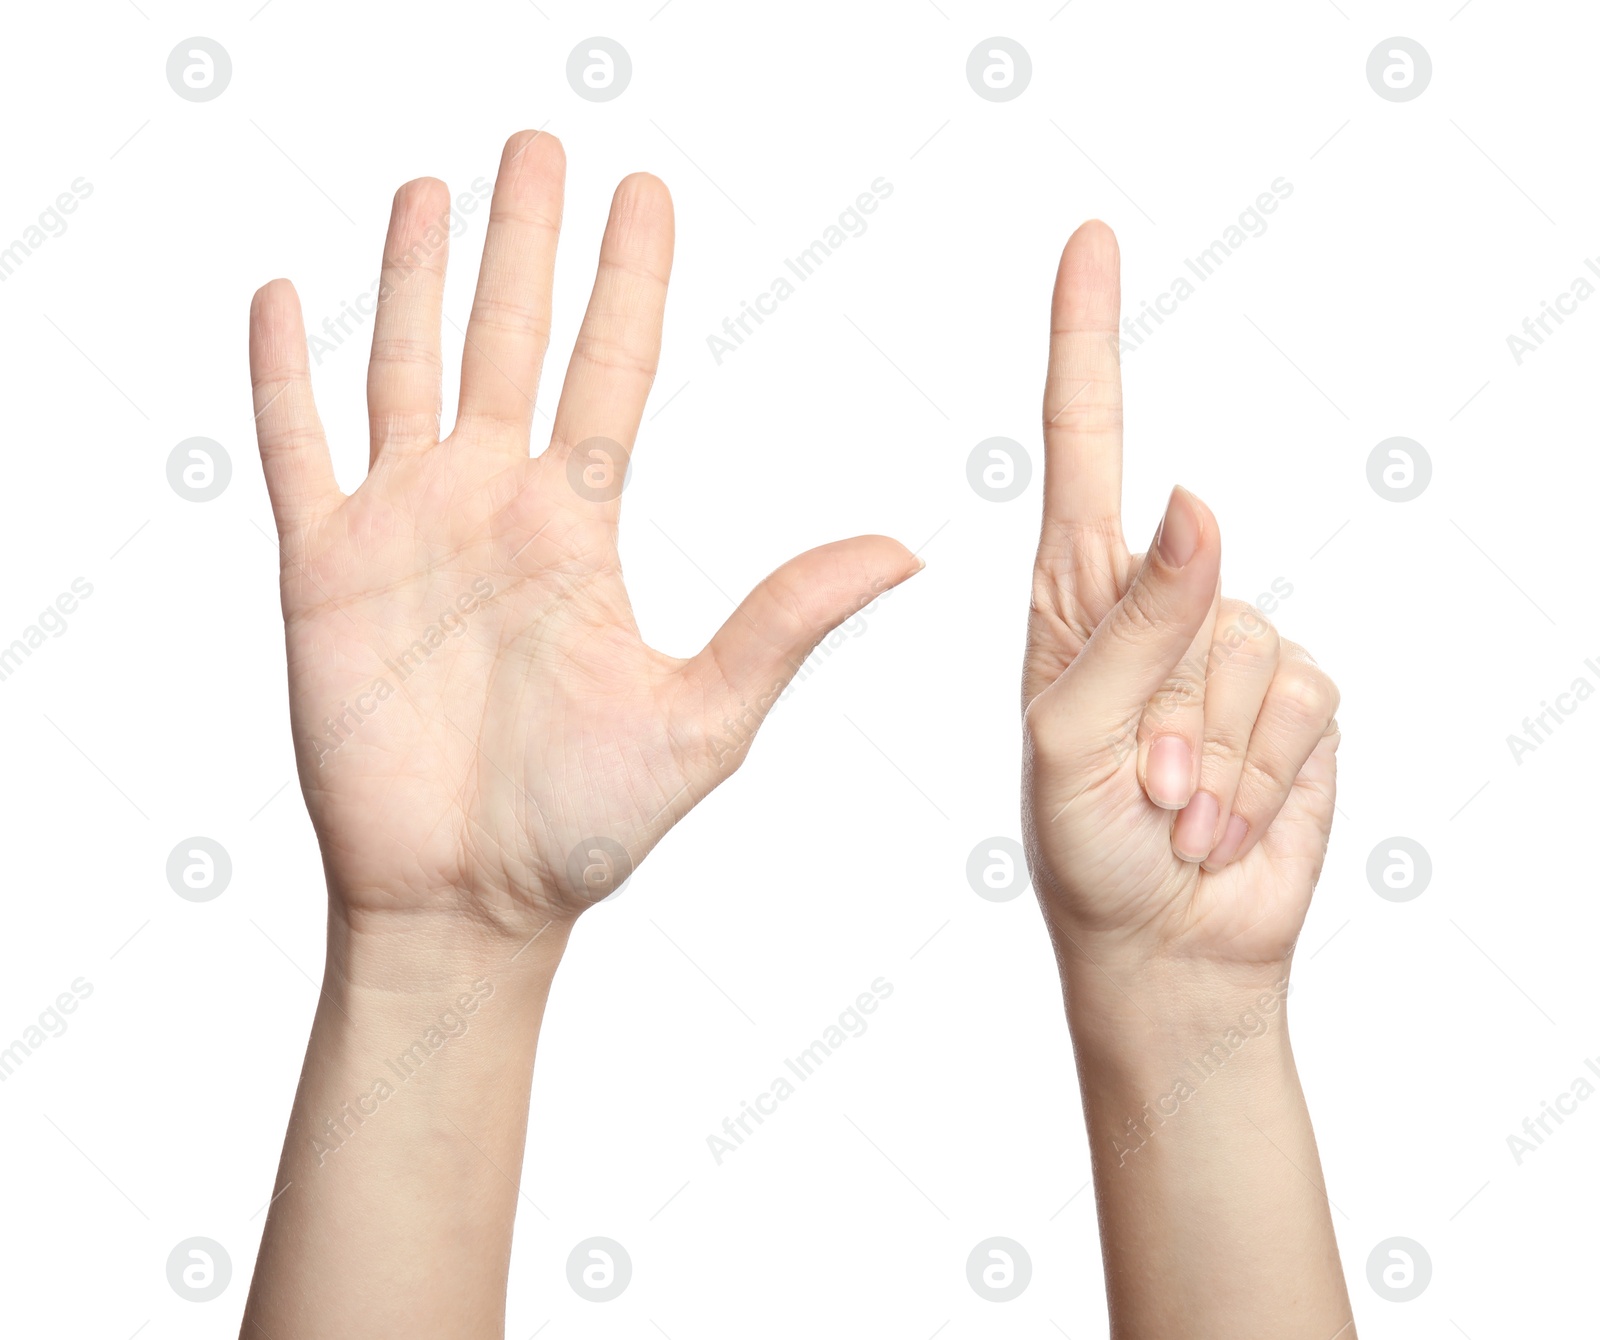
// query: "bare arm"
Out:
[1178,794]
[486,745]
[1214,1220]
[399,1181]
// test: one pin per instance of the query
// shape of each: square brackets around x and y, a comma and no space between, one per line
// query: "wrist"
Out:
[1142,1014]
[1170,1056]
[423,1032]
[378,957]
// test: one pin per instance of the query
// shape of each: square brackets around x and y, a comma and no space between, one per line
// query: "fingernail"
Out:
[1168,772]
[1225,850]
[1178,535]
[1191,834]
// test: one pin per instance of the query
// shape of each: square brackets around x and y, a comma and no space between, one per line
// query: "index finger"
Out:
[1083,387]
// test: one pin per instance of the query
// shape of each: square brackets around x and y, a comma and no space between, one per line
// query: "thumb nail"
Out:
[1178,535]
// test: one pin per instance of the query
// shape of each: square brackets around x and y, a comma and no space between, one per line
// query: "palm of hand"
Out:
[473,702]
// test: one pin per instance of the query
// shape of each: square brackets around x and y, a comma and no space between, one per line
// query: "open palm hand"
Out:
[479,727]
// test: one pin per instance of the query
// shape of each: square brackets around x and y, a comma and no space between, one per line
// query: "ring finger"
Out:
[1294,718]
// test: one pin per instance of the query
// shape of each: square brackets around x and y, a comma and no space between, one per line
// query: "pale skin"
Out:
[479,730]
[1177,797]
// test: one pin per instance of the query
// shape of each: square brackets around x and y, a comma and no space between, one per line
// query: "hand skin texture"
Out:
[1178,791]
[485,745]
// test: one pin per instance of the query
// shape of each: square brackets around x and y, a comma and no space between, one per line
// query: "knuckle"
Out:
[611,352]
[629,268]
[533,219]
[290,437]
[403,425]
[1307,693]
[1257,780]
[273,379]
[1223,756]
[1244,629]
[1183,690]
[511,317]
[421,257]
[492,420]
[1096,408]
[790,609]
[402,351]
[1256,628]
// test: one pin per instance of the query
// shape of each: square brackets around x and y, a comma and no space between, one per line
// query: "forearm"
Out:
[397,1190]
[1214,1220]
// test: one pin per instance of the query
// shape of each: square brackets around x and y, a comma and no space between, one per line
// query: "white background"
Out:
[1378,302]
